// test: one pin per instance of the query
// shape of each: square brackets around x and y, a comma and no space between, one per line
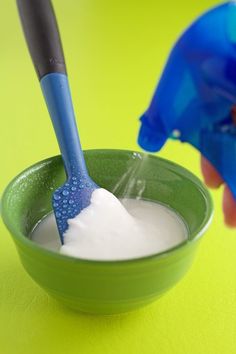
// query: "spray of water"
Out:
[131,180]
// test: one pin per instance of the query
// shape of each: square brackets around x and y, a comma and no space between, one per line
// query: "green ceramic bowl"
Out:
[106,287]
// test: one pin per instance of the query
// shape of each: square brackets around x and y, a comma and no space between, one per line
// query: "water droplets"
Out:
[67,202]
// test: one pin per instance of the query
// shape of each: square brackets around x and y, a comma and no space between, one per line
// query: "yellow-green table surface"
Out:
[115,51]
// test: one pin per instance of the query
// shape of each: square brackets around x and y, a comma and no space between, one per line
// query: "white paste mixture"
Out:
[110,229]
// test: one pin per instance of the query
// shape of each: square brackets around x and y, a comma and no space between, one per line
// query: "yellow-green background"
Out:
[115,51]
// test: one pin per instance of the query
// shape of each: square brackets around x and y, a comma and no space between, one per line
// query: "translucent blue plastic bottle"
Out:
[194,98]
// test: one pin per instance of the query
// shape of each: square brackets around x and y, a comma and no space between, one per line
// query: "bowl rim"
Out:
[20,238]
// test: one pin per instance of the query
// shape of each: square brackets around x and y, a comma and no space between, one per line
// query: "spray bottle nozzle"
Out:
[151,138]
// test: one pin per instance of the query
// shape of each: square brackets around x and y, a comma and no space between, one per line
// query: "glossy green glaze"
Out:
[103,287]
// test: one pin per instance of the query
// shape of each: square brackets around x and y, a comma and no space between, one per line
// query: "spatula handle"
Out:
[42,36]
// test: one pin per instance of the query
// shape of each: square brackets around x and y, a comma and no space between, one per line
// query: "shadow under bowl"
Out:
[106,287]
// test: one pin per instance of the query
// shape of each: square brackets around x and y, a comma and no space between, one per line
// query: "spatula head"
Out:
[70,199]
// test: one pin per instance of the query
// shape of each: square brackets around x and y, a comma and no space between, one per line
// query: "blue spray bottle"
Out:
[197,91]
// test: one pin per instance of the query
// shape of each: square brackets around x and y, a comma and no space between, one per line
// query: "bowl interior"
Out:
[28,197]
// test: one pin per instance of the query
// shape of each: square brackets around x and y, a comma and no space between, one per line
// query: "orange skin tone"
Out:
[214,180]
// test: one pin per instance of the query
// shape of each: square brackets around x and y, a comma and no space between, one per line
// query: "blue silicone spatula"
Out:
[43,39]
